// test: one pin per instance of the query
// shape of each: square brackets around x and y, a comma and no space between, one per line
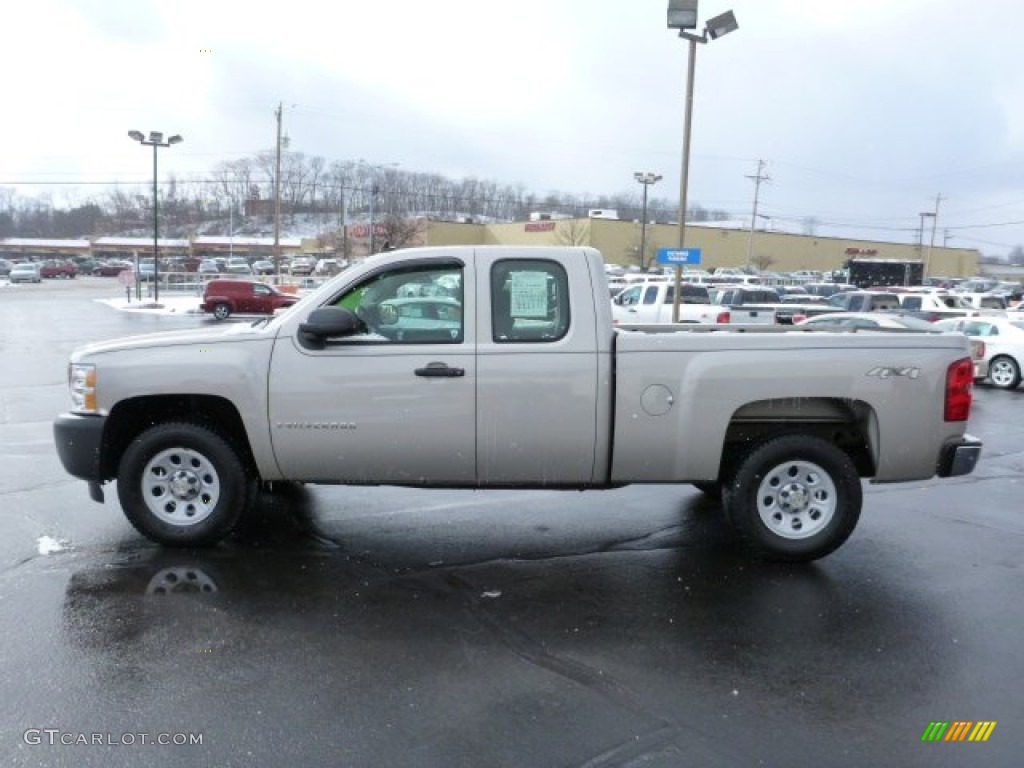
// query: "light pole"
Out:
[155,140]
[682,15]
[647,179]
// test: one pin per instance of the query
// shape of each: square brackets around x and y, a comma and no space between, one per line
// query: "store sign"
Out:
[363,230]
[539,226]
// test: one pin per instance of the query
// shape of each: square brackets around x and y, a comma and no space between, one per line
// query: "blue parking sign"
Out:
[679,256]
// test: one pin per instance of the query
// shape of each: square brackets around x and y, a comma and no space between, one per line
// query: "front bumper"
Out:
[958,457]
[78,440]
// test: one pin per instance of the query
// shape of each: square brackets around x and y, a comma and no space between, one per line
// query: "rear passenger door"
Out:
[537,370]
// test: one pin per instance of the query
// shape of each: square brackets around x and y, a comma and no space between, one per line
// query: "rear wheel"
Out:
[182,485]
[794,498]
[1004,372]
[221,311]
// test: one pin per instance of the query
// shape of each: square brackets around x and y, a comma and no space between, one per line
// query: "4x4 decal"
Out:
[892,371]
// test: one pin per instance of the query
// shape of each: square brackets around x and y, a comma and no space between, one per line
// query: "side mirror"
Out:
[329,323]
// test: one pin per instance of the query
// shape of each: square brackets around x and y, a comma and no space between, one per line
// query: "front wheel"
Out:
[182,485]
[794,498]
[222,311]
[1004,372]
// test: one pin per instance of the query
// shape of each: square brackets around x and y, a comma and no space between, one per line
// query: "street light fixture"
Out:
[682,15]
[647,179]
[155,140]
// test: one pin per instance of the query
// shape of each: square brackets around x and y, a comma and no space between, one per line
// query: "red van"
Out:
[222,298]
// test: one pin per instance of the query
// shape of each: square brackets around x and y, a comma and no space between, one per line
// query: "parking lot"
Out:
[397,627]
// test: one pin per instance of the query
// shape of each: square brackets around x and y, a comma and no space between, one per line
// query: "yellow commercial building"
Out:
[720,246]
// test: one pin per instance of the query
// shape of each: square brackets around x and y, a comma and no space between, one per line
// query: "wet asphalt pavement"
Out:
[395,627]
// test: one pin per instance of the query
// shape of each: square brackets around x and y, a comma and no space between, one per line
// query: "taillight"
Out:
[796,319]
[978,349]
[959,380]
[723,318]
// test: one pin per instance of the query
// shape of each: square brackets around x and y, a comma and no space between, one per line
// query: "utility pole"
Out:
[344,229]
[931,242]
[277,197]
[757,179]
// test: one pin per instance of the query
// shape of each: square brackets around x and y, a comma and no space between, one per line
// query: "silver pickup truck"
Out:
[499,367]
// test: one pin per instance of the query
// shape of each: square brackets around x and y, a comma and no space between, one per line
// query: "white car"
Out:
[1004,345]
[654,303]
[880,321]
[25,273]
[869,320]
[238,266]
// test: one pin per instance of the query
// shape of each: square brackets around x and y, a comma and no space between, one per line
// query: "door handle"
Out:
[440,370]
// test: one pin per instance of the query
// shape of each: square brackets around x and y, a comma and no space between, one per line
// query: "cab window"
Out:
[409,305]
[529,301]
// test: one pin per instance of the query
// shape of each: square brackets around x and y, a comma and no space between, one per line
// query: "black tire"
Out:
[221,311]
[183,485]
[1004,372]
[711,488]
[794,498]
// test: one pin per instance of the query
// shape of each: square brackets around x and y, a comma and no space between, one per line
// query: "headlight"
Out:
[82,382]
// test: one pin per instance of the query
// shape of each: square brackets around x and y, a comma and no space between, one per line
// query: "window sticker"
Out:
[529,295]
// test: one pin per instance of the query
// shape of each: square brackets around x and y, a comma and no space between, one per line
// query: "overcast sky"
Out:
[864,110]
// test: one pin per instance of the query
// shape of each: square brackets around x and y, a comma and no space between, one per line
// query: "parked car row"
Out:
[997,336]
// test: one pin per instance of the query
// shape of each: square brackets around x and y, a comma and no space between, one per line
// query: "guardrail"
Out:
[194,283]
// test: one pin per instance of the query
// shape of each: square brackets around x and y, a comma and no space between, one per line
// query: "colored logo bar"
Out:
[958,730]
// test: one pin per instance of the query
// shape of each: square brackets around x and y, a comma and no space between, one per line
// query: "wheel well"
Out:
[849,424]
[130,418]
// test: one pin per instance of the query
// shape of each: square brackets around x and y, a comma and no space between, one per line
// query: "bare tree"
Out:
[123,208]
[573,232]
[762,261]
[399,232]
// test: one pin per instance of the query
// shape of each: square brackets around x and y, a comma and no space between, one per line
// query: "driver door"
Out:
[393,405]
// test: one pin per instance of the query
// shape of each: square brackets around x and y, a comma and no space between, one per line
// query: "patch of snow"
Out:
[170,305]
[48,545]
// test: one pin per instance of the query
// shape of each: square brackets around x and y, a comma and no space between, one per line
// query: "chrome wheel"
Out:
[180,486]
[222,311]
[796,499]
[183,485]
[1004,372]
